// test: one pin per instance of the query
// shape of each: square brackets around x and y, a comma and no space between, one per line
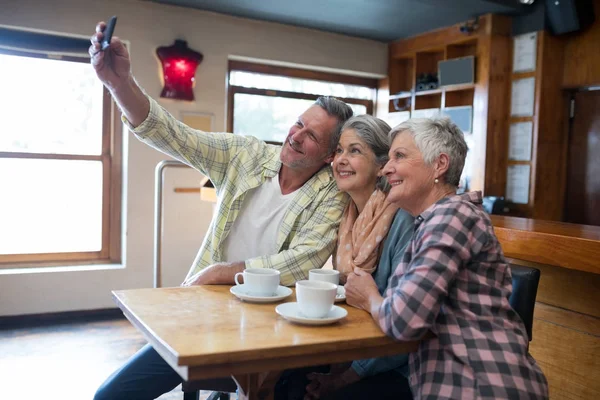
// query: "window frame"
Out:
[112,164]
[232,90]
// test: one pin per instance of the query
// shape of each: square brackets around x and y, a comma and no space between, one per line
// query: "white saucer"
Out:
[341,294]
[290,312]
[241,292]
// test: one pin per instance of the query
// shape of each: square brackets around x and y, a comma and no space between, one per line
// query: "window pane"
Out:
[49,106]
[50,206]
[267,118]
[358,109]
[270,118]
[274,82]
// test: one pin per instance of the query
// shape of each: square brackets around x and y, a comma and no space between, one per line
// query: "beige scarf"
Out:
[361,235]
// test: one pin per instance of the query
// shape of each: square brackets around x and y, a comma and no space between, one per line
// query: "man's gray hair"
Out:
[335,108]
[434,136]
[375,133]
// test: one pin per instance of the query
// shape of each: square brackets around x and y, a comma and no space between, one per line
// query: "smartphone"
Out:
[108,32]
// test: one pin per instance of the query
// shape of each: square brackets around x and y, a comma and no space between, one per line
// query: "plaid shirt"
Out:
[236,164]
[454,281]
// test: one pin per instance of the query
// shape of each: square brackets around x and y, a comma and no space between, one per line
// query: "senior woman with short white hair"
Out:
[453,280]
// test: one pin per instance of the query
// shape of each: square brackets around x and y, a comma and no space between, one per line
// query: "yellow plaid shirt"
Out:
[236,164]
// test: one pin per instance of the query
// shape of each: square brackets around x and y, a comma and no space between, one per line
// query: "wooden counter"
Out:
[566,326]
[559,244]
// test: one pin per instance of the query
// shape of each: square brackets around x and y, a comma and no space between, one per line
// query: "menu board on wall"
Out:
[426,113]
[519,148]
[522,97]
[517,183]
[525,49]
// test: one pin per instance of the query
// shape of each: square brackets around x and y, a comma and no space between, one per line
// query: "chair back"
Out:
[525,282]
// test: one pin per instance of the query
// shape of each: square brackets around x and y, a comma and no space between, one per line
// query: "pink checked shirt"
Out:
[455,282]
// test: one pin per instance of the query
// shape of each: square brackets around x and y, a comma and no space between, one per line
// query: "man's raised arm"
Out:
[113,67]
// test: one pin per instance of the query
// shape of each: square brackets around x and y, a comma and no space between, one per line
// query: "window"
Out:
[60,162]
[265,100]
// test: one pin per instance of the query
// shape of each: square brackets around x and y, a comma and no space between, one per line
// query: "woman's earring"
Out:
[436,180]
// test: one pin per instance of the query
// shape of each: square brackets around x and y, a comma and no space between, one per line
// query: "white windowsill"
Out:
[70,268]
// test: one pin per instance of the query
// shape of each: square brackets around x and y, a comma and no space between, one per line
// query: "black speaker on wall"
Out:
[566,16]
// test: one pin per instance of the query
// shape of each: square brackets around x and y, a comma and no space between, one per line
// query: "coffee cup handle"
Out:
[235,278]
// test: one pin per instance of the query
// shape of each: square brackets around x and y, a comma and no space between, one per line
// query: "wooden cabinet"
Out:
[490,45]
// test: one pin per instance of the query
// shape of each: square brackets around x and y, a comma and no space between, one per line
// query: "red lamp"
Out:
[179,64]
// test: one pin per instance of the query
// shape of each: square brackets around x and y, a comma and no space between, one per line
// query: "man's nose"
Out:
[299,135]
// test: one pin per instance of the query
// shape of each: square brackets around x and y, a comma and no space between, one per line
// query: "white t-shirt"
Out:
[254,231]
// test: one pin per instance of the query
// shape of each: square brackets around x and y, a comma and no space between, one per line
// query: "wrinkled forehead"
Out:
[403,138]
[349,136]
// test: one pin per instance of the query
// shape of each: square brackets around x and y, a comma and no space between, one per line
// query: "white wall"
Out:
[147,26]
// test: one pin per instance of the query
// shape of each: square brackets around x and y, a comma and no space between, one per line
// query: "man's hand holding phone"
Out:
[109,56]
[112,64]
[108,33]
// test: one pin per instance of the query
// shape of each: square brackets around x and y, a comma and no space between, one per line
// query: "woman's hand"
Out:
[362,291]
[321,385]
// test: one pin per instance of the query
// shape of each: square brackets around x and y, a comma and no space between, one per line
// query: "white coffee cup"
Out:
[324,275]
[259,281]
[315,298]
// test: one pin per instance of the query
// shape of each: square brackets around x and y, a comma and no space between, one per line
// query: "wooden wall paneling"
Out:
[568,289]
[427,61]
[566,345]
[401,74]
[438,38]
[498,107]
[550,131]
[427,101]
[489,24]
[490,107]
[464,49]
[480,110]
[581,56]
[459,97]
[566,331]
[582,194]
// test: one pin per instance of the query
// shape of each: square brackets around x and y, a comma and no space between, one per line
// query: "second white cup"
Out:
[324,275]
[315,298]
[260,281]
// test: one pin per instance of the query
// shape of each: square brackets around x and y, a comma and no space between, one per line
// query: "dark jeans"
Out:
[145,376]
[388,385]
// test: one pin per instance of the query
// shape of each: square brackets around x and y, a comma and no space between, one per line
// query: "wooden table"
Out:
[206,332]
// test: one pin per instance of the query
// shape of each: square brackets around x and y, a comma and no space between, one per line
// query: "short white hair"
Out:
[434,136]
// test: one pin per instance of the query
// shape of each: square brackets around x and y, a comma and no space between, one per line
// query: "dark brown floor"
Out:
[66,361]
